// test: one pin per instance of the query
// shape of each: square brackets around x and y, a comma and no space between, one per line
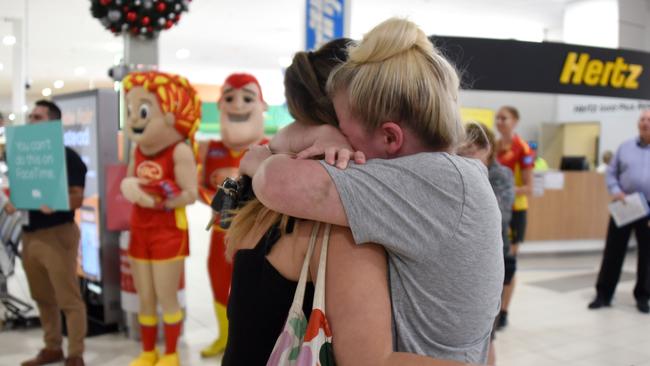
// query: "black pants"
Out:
[615,249]
[518,224]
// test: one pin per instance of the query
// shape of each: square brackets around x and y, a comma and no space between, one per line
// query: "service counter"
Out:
[573,210]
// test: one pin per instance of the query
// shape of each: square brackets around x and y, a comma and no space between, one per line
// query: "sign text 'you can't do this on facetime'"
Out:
[37,168]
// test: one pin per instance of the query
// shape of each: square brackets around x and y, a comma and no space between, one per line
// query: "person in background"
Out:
[629,172]
[514,153]
[50,249]
[607,158]
[480,142]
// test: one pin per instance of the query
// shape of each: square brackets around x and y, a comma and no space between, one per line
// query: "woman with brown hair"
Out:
[266,247]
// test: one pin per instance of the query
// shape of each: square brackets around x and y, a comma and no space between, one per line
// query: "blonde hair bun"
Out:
[396,74]
[388,39]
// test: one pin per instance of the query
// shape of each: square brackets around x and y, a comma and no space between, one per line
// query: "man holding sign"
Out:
[51,239]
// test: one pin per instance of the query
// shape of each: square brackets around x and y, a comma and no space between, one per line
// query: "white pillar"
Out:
[140,51]
[633,24]
[19,75]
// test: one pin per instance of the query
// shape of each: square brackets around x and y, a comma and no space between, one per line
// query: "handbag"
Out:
[302,342]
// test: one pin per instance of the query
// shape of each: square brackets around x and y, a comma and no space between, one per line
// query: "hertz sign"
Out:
[582,69]
[548,67]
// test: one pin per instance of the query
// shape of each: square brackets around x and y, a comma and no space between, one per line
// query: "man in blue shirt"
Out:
[629,172]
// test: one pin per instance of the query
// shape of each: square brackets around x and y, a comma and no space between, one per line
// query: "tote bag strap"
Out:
[299,295]
[319,291]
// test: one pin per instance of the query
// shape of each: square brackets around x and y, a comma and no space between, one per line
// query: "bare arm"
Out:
[316,141]
[7,206]
[358,306]
[185,171]
[299,188]
[296,187]
[296,137]
[289,139]
[527,187]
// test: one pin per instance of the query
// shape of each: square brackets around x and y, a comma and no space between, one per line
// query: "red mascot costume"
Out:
[241,107]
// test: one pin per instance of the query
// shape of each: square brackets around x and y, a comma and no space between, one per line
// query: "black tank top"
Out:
[260,298]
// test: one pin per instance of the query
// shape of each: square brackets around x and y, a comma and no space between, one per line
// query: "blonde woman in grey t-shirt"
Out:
[433,211]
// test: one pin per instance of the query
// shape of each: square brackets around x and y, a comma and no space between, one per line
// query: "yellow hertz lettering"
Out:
[581,69]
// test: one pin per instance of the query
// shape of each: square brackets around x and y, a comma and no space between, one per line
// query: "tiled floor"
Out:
[549,323]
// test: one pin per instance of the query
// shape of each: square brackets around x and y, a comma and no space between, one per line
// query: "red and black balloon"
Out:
[144,18]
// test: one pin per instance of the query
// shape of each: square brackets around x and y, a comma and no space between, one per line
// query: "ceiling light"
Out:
[284,61]
[25,108]
[58,84]
[9,40]
[79,71]
[183,54]
[11,116]
[46,92]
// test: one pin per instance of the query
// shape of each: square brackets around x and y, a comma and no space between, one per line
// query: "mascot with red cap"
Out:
[241,108]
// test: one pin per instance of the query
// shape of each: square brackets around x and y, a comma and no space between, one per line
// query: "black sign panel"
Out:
[546,67]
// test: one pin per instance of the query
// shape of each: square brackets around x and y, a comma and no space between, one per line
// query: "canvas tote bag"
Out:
[304,343]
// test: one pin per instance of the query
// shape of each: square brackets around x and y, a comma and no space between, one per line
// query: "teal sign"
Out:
[37,168]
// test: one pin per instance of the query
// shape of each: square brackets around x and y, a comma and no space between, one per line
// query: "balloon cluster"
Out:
[144,18]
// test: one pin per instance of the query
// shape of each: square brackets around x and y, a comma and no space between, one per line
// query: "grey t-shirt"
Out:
[503,185]
[438,219]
